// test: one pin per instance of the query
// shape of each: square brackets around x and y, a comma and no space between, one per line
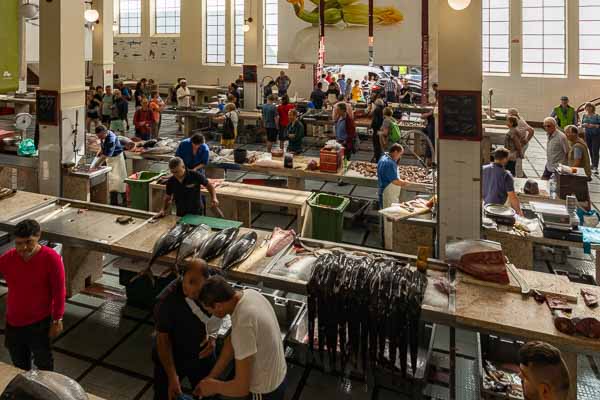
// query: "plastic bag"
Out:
[27,148]
[43,385]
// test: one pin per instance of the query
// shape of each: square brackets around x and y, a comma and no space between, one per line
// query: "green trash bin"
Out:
[139,188]
[328,216]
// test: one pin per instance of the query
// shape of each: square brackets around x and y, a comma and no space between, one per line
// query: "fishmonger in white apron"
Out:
[390,184]
[111,151]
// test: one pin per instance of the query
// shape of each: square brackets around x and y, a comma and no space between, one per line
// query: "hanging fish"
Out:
[239,250]
[216,245]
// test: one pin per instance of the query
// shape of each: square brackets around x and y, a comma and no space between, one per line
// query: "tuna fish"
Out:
[43,385]
[239,250]
[216,245]
[191,244]
[279,240]
[169,241]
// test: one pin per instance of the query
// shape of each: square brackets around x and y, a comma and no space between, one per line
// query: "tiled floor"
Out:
[106,345]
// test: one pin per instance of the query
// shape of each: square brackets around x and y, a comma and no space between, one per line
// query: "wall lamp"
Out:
[459,5]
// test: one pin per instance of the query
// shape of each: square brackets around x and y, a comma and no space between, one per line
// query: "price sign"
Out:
[47,102]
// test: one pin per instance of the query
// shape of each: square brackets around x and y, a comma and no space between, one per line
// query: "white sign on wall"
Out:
[144,50]
[397,32]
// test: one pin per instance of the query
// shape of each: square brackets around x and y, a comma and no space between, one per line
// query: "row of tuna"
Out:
[199,241]
[367,307]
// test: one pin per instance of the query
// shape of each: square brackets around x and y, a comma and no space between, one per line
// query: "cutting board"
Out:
[402,213]
[214,223]
[542,282]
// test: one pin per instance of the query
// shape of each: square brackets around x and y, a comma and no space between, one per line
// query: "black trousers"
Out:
[195,371]
[512,167]
[593,143]
[377,150]
[31,340]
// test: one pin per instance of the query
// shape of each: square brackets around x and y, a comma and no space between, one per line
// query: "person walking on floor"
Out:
[269,117]
[138,94]
[557,148]
[514,144]
[526,132]
[184,100]
[283,121]
[230,126]
[93,108]
[35,276]
[119,111]
[143,120]
[111,151]
[345,129]
[564,114]
[184,344]
[107,102]
[579,154]
[255,344]
[591,123]
[376,123]
[157,105]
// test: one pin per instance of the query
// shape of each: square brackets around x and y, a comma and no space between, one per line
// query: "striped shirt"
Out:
[390,86]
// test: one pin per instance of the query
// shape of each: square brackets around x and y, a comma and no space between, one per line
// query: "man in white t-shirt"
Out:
[184,99]
[255,343]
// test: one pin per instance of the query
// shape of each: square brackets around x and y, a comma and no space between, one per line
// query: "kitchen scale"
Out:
[557,222]
[500,214]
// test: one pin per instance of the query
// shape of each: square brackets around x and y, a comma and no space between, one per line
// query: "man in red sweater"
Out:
[35,276]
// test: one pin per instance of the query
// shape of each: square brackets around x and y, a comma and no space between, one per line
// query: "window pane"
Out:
[271,27]
[130,17]
[544,37]
[589,38]
[214,28]
[496,32]
[238,31]
[167,16]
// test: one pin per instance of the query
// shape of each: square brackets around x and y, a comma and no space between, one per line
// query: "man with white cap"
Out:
[564,114]
[184,99]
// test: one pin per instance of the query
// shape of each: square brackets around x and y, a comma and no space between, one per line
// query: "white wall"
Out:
[190,59]
[535,97]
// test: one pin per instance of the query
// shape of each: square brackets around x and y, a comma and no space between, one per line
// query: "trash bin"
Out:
[328,216]
[139,188]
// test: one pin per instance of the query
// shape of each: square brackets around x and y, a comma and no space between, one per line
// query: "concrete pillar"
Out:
[62,69]
[251,53]
[102,44]
[459,68]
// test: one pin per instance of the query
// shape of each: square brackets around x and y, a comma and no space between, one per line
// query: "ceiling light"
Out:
[459,5]
[91,15]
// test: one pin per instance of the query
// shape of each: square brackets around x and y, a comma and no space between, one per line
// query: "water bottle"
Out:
[552,186]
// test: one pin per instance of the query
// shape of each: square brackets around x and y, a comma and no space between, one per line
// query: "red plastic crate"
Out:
[331,161]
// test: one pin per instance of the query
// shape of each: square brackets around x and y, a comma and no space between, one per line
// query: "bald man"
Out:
[185,334]
[544,374]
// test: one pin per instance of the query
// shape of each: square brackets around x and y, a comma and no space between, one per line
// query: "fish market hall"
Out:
[298,200]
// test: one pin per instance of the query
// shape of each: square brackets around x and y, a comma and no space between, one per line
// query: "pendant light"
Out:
[91,15]
[459,5]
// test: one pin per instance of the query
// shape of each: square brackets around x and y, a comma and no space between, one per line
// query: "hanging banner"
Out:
[9,51]
[396,31]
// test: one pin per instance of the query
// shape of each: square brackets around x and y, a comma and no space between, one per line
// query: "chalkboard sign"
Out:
[47,107]
[250,73]
[460,115]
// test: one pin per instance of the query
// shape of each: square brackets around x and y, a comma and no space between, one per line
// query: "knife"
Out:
[525,289]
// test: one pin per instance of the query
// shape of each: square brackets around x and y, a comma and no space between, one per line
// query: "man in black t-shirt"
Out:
[318,96]
[184,188]
[185,334]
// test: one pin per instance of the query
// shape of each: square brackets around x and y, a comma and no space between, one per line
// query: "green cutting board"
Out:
[214,223]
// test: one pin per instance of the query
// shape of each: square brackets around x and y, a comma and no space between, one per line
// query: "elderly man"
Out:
[35,277]
[564,114]
[557,148]
[579,154]
[544,374]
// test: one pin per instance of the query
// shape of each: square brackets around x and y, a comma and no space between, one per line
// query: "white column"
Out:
[459,68]
[62,69]
[102,47]
[251,51]
[22,53]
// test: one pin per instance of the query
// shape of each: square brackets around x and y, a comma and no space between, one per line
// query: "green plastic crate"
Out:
[139,188]
[328,216]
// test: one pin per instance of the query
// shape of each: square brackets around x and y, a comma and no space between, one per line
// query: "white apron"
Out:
[391,194]
[116,177]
